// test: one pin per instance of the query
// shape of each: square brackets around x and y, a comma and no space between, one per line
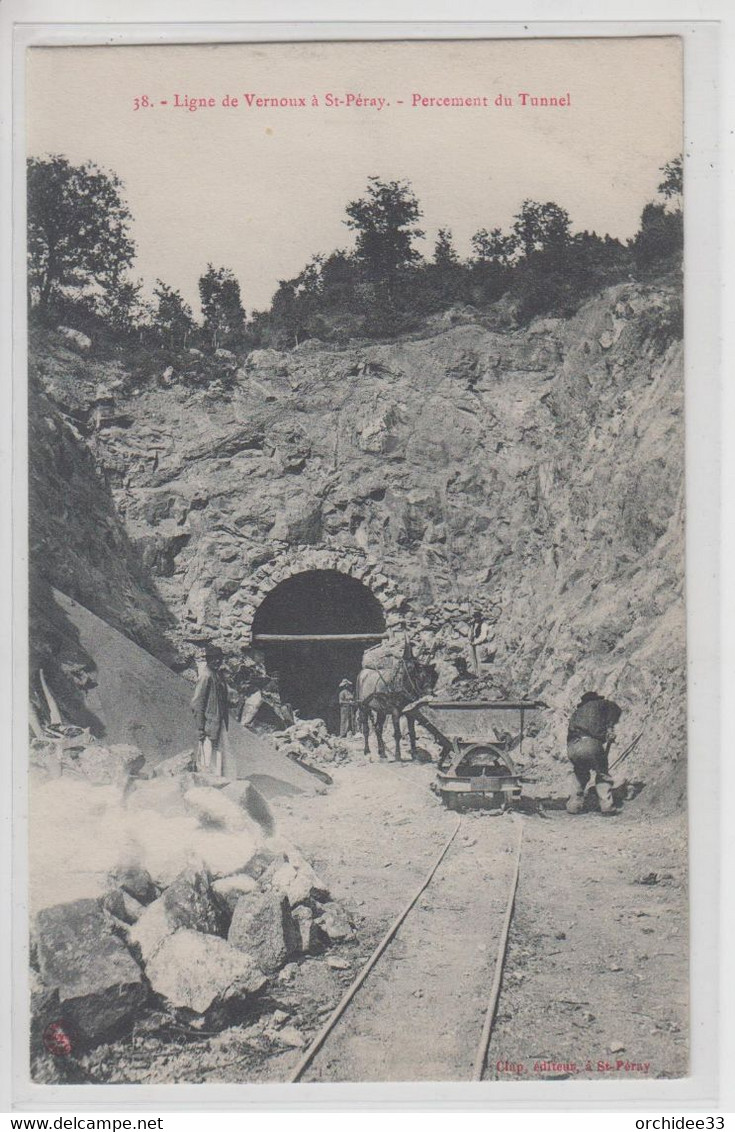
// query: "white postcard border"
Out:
[703,409]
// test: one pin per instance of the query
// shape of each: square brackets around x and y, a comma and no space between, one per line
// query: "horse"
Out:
[379,695]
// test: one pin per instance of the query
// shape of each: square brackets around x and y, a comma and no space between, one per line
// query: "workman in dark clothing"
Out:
[211,710]
[589,738]
[346,709]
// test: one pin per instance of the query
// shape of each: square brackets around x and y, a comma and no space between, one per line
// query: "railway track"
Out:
[388,1025]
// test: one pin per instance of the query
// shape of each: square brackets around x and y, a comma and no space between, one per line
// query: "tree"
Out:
[172,318]
[541,227]
[445,254]
[385,223]
[284,315]
[122,308]
[661,235]
[78,228]
[493,247]
[338,278]
[672,186]
[660,238]
[442,282]
[296,305]
[222,308]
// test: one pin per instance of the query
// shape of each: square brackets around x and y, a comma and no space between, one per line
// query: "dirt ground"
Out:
[596,974]
[595,982]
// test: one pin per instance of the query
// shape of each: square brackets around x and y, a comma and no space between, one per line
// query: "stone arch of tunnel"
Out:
[316,604]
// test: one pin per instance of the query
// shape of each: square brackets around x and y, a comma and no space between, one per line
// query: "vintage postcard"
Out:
[358,703]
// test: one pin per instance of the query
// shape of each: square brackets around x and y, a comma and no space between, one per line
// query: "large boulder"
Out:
[100,986]
[264,712]
[150,930]
[265,359]
[230,889]
[187,903]
[123,906]
[190,903]
[296,880]
[135,880]
[263,860]
[223,853]
[265,931]
[253,803]
[200,972]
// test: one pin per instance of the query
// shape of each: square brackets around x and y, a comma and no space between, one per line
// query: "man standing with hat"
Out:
[346,709]
[210,707]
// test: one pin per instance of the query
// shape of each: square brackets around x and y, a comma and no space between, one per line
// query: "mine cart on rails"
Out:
[480,742]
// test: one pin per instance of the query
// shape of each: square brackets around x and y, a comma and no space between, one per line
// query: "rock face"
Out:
[537,471]
[100,986]
[200,972]
[78,542]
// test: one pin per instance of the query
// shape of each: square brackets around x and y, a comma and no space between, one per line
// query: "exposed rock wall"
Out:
[539,469]
[78,542]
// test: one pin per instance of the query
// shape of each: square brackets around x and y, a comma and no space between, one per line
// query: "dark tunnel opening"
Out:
[315,603]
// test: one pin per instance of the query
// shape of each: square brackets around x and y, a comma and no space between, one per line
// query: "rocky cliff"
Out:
[535,472]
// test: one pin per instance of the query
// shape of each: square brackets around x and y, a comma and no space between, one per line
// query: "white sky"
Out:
[262,190]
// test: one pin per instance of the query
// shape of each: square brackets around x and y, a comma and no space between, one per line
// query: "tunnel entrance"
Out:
[313,630]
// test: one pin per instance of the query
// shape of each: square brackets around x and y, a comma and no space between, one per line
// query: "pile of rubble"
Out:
[207,906]
[308,741]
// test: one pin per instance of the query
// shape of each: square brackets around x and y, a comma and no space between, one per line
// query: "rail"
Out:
[482,1048]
